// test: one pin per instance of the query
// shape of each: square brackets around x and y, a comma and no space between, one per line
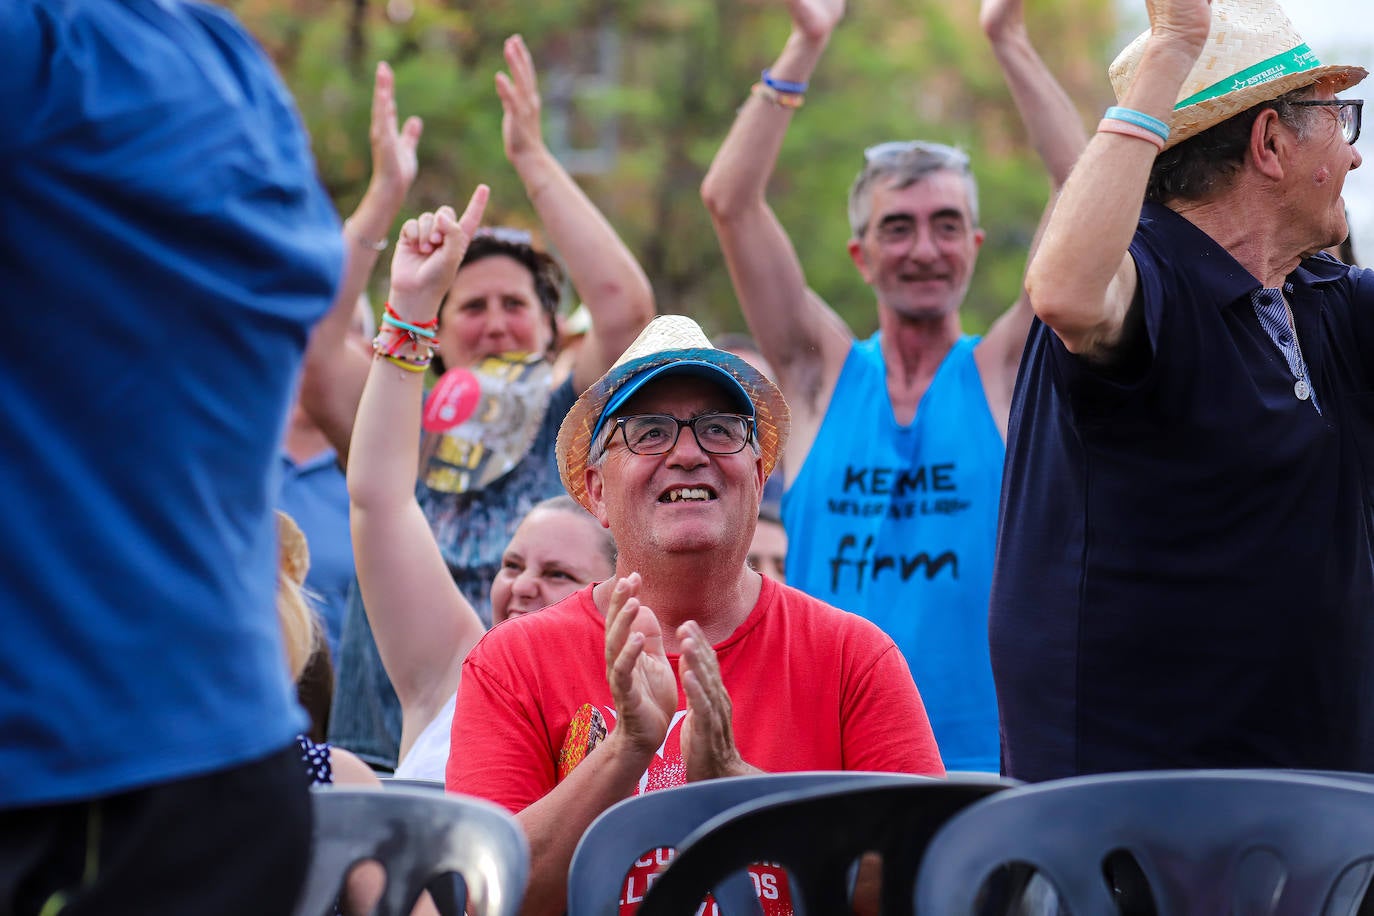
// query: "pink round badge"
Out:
[452,401]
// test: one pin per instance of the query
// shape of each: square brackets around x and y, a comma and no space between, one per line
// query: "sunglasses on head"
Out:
[949,156]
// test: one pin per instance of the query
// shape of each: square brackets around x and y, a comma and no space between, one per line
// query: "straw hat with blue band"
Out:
[1253,54]
[668,345]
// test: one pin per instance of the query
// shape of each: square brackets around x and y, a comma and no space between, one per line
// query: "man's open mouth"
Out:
[688,494]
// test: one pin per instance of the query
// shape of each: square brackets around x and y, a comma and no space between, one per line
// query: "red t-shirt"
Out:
[813,688]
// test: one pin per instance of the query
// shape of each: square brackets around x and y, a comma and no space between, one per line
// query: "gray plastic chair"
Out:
[663,819]
[416,835]
[1172,843]
[412,782]
[818,834]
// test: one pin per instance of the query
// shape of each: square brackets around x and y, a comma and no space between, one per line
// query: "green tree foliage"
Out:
[895,69]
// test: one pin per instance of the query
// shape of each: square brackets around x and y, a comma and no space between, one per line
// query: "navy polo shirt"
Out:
[1184,558]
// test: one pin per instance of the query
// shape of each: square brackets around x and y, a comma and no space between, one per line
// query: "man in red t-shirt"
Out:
[647,677]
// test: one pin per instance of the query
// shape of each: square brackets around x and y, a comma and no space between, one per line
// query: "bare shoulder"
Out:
[349,770]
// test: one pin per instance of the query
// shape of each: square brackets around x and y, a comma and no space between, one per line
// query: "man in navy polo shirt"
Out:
[1185,575]
[167,248]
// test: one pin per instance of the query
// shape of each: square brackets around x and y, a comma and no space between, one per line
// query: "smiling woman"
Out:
[557,549]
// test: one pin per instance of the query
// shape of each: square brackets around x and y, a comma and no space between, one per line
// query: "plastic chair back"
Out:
[412,782]
[416,835]
[818,834]
[1237,842]
[663,819]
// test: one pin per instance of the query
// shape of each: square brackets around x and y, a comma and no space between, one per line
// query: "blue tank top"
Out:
[898,524]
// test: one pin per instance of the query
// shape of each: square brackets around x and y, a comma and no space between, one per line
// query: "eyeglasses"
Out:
[1348,114]
[656,434]
[948,157]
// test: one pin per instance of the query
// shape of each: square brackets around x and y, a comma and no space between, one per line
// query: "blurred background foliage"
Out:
[638,95]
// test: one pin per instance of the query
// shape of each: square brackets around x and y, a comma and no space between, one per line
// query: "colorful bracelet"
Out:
[392,341]
[422,330]
[1139,119]
[407,365]
[785,86]
[396,332]
[784,100]
[367,243]
[1127,129]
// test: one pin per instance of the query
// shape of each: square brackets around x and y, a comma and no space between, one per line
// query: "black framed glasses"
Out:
[656,434]
[1348,114]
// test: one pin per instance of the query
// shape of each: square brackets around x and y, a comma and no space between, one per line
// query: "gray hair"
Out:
[902,163]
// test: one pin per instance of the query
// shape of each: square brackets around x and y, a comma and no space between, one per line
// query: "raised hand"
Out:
[637,669]
[708,734]
[1184,21]
[816,19]
[998,16]
[520,125]
[394,160]
[428,253]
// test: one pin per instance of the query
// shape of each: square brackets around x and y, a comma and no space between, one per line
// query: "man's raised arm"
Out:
[1056,132]
[797,333]
[1081,280]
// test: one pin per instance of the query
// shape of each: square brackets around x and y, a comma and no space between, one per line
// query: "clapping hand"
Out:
[637,669]
[520,125]
[394,159]
[816,19]
[708,735]
[1184,21]
[999,16]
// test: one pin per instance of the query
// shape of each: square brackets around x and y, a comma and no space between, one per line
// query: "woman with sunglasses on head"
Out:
[478,482]
[423,624]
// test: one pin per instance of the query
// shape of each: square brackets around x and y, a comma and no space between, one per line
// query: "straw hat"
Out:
[1253,54]
[668,345]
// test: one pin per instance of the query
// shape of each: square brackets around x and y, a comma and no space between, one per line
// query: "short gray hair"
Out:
[902,163]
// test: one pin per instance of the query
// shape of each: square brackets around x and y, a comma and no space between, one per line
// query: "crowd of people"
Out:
[554,562]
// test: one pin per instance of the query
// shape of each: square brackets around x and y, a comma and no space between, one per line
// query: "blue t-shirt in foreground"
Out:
[167,248]
[897,524]
[1185,575]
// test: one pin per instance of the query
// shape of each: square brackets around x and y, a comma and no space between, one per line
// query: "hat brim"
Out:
[584,421]
[694,367]
[1194,119]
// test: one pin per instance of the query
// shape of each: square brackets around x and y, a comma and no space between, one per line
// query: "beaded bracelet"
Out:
[1139,119]
[786,86]
[1127,129]
[785,100]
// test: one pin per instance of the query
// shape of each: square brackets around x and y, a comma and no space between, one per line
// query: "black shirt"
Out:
[1184,573]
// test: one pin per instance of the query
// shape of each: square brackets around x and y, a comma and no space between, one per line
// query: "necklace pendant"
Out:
[1302,389]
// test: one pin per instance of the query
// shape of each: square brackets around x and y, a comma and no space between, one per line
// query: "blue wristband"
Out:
[1139,119]
[786,86]
[414,329]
